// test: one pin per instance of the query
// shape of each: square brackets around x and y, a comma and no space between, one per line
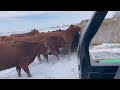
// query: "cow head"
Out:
[44,48]
[35,31]
[75,29]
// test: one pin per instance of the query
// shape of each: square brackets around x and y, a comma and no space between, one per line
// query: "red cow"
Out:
[32,33]
[52,42]
[19,55]
[67,34]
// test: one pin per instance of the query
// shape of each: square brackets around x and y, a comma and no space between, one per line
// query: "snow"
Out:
[111,50]
[105,51]
[106,47]
[65,68]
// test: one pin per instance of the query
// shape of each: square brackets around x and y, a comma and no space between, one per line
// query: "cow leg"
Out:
[66,50]
[56,54]
[69,49]
[39,58]
[18,70]
[26,69]
[57,57]
[46,56]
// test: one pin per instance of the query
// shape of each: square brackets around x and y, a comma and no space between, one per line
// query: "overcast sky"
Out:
[26,20]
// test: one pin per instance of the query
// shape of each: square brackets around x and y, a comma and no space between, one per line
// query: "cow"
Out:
[12,36]
[59,30]
[19,55]
[51,38]
[2,37]
[53,43]
[6,38]
[32,33]
[67,34]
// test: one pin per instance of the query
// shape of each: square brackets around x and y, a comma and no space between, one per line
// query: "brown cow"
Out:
[12,36]
[32,33]
[57,30]
[2,37]
[67,34]
[6,38]
[52,42]
[19,55]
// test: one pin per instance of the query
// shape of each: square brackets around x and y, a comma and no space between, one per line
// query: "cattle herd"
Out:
[20,50]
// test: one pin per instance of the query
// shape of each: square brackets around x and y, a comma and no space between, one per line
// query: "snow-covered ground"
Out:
[105,51]
[107,45]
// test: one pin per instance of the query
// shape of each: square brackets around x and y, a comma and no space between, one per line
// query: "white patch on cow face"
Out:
[61,49]
[48,51]
[45,44]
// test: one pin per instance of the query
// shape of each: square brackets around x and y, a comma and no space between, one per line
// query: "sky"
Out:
[27,20]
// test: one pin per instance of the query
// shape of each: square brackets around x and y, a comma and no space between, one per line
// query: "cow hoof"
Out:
[29,75]
[40,62]
[19,75]
[48,62]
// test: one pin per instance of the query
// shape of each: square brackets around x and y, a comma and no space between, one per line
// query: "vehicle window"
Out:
[105,45]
